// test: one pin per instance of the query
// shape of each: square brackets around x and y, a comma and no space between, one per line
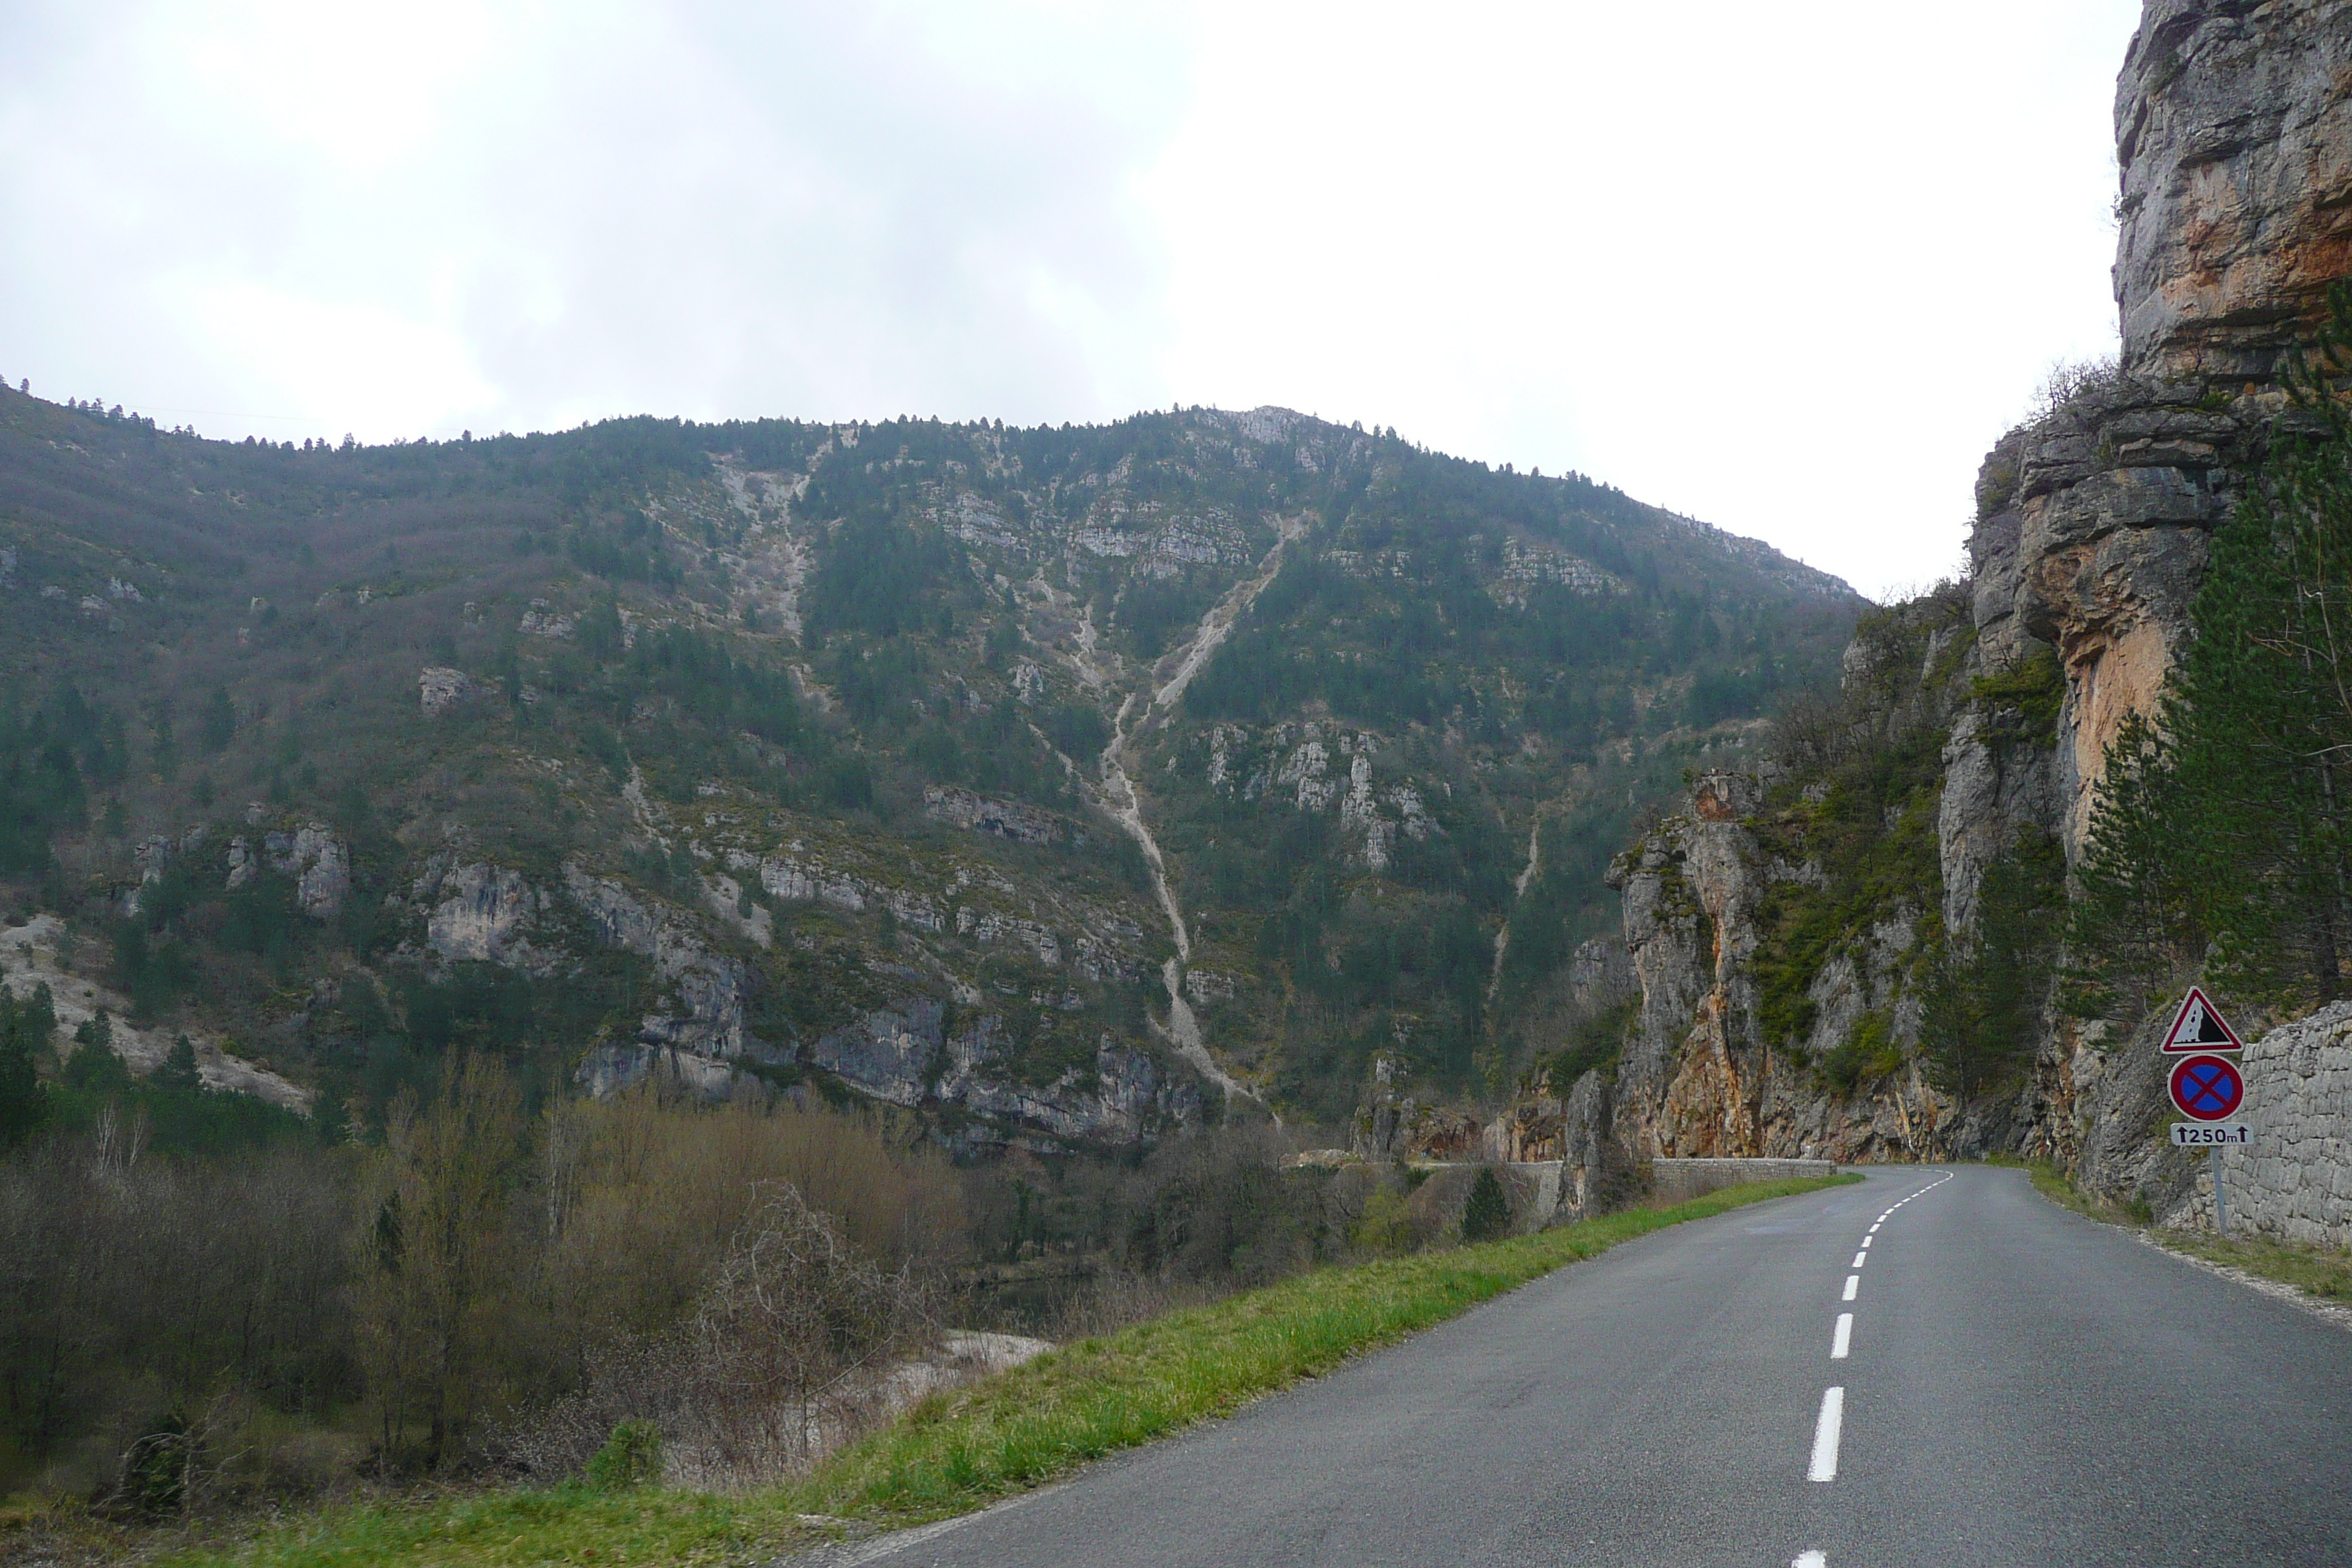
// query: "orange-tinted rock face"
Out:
[2234,131]
[2235,138]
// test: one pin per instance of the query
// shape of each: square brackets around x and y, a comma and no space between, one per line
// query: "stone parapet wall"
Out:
[1676,1179]
[2294,1180]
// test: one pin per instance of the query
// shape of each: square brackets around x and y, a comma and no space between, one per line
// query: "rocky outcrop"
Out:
[1300,764]
[1393,1125]
[906,1056]
[2092,538]
[542,620]
[311,857]
[153,856]
[1692,1072]
[1993,791]
[440,688]
[1697,1080]
[317,862]
[1573,1131]
[903,1054]
[2234,135]
[1103,946]
[476,912]
[1001,818]
[710,988]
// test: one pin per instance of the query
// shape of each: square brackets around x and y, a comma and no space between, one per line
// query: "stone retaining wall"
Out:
[2294,1180]
[1676,1179]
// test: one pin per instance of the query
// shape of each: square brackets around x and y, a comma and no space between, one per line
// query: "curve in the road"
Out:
[2018,1386]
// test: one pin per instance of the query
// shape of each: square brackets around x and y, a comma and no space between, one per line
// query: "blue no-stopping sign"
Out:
[2208,1089]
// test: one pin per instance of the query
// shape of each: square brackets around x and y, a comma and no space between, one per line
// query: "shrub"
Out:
[631,1456]
[787,1352]
[1386,1228]
[155,1478]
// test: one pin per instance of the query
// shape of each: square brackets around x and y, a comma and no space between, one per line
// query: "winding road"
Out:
[1937,1367]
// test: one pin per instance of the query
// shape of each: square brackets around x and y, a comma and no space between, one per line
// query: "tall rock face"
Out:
[1717,900]
[2234,135]
[1785,965]
[2235,142]
[2233,138]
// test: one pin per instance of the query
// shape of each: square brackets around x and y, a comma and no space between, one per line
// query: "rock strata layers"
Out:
[2233,136]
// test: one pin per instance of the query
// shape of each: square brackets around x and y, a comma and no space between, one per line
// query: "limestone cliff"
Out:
[1783,969]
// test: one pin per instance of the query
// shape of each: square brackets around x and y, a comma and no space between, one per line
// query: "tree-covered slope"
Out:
[1039,778]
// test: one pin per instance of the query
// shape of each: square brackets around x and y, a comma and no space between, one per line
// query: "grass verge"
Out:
[2325,1272]
[961,1451]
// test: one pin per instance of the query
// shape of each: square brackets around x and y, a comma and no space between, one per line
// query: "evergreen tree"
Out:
[95,1066]
[1982,1007]
[1487,1213]
[218,721]
[179,1069]
[25,1029]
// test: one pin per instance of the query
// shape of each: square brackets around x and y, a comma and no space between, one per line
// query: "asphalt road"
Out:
[2020,1386]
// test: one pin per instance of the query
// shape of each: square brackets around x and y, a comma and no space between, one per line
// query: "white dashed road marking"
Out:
[1825,1437]
[1831,1423]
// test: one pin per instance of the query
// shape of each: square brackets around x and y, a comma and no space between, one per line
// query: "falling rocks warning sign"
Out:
[2199,1028]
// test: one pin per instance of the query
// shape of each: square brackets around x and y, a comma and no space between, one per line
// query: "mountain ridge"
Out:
[887,760]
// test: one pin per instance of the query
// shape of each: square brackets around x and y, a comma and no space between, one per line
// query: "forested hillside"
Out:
[847,756]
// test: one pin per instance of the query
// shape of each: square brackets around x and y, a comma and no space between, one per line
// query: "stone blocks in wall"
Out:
[2294,1182]
[1676,1179]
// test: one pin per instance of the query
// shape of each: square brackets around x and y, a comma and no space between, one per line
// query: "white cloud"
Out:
[1789,268]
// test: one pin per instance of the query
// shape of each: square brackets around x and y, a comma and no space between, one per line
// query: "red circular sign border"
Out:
[2237,1101]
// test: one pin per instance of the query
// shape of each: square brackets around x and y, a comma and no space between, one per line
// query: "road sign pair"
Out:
[2206,1086]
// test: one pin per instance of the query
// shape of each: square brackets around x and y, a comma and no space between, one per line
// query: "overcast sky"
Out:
[1791,268]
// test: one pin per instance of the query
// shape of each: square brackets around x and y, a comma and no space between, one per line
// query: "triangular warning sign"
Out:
[2199,1027]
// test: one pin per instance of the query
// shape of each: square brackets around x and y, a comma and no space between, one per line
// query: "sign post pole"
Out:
[2220,1204]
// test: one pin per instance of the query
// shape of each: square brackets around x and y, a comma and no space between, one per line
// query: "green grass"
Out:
[2321,1271]
[961,1451]
[2324,1272]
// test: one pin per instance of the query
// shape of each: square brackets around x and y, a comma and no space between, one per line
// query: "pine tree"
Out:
[25,1027]
[1487,1213]
[179,1069]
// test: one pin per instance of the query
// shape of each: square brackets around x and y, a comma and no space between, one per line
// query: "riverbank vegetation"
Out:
[962,1449]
